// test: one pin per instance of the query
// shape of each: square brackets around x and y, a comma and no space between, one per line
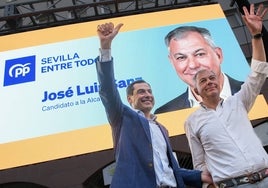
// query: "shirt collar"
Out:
[152,118]
[226,89]
[206,108]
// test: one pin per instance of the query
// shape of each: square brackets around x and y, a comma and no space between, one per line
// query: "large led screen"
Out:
[50,106]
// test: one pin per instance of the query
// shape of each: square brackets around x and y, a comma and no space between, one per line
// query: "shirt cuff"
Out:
[105,55]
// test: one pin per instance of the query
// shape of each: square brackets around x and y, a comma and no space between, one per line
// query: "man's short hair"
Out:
[130,87]
[201,71]
[182,31]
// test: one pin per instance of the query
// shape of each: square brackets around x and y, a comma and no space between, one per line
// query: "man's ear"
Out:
[219,54]
[129,99]
[196,91]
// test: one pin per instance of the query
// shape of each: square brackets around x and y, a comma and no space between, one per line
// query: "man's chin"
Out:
[148,108]
[214,94]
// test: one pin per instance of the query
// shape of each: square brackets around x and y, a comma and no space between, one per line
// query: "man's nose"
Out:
[193,63]
[147,93]
[209,82]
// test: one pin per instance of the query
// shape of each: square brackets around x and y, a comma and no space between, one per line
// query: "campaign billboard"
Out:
[50,106]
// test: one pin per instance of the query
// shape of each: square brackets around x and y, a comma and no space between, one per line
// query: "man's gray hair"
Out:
[201,71]
[182,31]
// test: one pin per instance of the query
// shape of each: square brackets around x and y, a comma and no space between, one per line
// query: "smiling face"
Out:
[191,53]
[141,98]
[207,85]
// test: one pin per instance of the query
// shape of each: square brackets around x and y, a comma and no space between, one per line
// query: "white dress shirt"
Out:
[163,172]
[223,140]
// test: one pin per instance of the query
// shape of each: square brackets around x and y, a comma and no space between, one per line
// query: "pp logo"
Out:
[19,70]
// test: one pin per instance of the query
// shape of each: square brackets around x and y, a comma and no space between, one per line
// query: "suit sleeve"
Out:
[108,92]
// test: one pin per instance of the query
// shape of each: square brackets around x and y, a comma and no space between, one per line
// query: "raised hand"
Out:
[254,20]
[106,33]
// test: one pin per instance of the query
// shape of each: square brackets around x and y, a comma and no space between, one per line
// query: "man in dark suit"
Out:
[143,154]
[191,49]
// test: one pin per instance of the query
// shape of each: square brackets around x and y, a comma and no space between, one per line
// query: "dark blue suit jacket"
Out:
[182,102]
[132,140]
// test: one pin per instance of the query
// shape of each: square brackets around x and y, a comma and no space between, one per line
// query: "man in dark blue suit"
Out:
[143,154]
[191,49]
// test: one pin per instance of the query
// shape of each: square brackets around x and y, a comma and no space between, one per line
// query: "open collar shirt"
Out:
[223,140]
[163,171]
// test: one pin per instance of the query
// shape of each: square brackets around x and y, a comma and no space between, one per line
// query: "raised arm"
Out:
[253,22]
[105,71]
[252,86]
